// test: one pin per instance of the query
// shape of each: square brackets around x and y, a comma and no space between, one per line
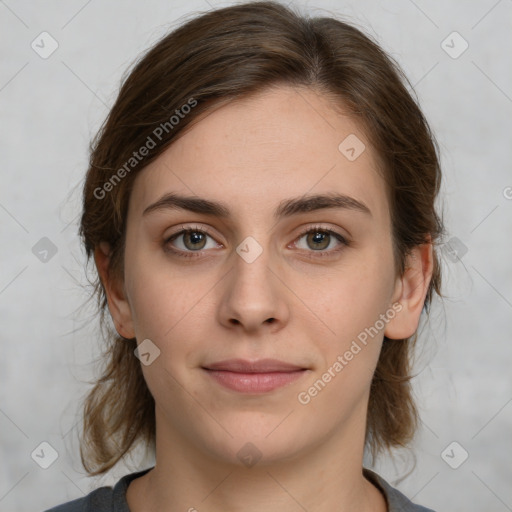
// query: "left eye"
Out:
[320,239]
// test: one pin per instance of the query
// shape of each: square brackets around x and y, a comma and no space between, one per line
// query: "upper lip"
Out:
[259,366]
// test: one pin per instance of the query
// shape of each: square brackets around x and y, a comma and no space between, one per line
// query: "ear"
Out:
[118,305]
[410,291]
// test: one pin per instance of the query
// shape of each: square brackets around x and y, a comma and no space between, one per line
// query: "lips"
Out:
[254,377]
[260,366]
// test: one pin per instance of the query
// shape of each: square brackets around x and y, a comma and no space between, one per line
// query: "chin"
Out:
[259,441]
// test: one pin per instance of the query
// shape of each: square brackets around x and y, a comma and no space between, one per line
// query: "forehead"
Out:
[252,153]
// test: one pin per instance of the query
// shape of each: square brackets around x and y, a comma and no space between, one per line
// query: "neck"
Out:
[323,478]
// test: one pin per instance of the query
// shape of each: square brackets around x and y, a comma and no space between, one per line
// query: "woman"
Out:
[260,209]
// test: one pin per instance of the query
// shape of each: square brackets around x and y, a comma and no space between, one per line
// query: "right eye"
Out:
[190,240]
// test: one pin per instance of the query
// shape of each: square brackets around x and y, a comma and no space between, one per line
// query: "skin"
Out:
[278,144]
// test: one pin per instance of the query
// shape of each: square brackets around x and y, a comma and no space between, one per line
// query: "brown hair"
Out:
[219,56]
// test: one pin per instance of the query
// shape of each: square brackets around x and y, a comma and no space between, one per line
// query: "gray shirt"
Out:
[108,499]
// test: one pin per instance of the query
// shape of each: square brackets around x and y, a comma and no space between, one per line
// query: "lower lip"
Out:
[255,382]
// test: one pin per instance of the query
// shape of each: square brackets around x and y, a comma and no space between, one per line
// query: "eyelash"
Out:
[313,229]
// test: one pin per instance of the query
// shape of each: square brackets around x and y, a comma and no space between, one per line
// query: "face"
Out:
[269,314]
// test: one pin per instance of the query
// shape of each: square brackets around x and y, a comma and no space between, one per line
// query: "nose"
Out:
[253,296]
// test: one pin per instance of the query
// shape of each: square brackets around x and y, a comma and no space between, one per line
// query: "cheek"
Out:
[164,298]
[353,297]
[350,309]
[347,359]
[159,305]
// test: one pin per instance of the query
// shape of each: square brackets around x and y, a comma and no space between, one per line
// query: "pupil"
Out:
[195,237]
[320,238]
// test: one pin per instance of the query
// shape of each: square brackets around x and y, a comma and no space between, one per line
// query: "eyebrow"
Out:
[286,208]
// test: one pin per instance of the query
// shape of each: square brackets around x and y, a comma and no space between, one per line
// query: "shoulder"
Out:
[397,502]
[99,500]
[103,499]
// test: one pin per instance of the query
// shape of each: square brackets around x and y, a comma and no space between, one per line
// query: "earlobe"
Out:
[117,303]
[410,291]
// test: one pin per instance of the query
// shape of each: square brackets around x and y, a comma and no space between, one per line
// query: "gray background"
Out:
[50,109]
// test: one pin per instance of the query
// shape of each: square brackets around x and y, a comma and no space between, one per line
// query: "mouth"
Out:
[254,377]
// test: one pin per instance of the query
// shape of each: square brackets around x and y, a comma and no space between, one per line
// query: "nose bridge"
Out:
[251,268]
[253,295]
